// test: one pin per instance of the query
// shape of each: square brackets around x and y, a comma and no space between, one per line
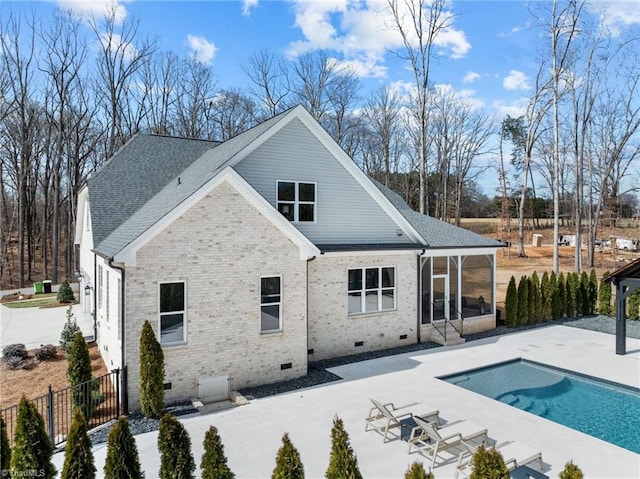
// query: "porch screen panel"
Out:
[477,285]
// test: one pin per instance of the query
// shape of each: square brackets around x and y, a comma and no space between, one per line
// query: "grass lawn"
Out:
[39,301]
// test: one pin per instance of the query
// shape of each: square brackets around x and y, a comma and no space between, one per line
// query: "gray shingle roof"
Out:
[135,174]
[198,167]
[436,233]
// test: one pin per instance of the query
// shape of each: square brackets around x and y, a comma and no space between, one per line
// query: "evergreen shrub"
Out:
[69,331]
[288,462]
[32,449]
[343,462]
[214,462]
[511,304]
[122,461]
[151,373]
[65,293]
[488,464]
[78,457]
[174,444]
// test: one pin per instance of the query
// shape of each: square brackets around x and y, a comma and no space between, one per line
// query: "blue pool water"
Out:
[601,409]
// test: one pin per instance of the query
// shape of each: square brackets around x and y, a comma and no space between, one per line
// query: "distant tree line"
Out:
[73,91]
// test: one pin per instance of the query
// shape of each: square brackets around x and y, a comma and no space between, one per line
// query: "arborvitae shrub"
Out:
[571,471]
[570,293]
[593,291]
[545,294]
[288,462]
[562,296]
[604,296]
[511,304]
[65,293]
[151,373]
[342,461]
[122,460]
[555,296]
[78,458]
[43,353]
[174,444]
[416,471]
[523,301]
[488,464]
[633,305]
[537,298]
[5,448]
[69,331]
[83,387]
[579,294]
[585,292]
[32,449]
[214,462]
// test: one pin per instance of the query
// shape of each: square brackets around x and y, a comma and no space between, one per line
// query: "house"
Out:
[255,256]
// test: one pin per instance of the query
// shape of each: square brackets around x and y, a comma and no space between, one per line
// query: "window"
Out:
[107,296]
[172,313]
[270,304]
[371,289]
[297,201]
[100,286]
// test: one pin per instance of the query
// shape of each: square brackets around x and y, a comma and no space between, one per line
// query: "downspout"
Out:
[308,261]
[125,391]
[94,310]
[419,295]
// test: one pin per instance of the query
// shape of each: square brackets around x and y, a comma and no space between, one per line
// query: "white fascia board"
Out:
[363,180]
[429,253]
[390,252]
[83,197]
[308,250]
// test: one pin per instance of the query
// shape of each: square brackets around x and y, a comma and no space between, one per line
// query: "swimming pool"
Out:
[602,409]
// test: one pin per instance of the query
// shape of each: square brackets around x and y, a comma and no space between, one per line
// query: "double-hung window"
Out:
[270,304]
[173,301]
[100,286]
[297,200]
[371,290]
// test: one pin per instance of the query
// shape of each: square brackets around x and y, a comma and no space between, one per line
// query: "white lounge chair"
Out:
[432,440]
[383,417]
[514,455]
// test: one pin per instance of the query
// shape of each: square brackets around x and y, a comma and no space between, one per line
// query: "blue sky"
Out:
[489,54]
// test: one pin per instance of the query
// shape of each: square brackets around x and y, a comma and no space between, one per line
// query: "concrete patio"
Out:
[251,434]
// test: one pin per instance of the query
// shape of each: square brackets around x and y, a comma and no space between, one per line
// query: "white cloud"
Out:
[247,6]
[470,77]
[361,31]
[86,9]
[516,80]
[202,50]
[513,109]
[616,15]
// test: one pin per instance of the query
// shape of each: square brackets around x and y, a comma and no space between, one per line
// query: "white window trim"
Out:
[106,297]
[184,315]
[296,202]
[100,286]
[379,289]
[280,304]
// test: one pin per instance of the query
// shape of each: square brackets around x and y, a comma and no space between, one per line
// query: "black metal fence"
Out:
[100,400]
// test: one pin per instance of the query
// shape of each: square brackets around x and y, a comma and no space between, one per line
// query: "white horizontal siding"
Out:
[345,212]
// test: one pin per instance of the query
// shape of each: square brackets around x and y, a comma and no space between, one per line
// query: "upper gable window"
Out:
[297,200]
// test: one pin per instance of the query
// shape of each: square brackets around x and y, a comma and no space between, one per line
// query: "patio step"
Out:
[453,339]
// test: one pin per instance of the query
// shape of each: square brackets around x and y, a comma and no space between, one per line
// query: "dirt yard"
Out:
[35,381]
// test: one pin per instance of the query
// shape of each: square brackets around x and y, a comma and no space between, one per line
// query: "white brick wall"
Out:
[333,332]
[220,247]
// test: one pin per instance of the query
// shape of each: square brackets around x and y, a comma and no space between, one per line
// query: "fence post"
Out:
[117,381]
[51,416]
[125,392]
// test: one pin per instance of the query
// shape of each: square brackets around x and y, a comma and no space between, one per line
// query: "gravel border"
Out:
[317,373]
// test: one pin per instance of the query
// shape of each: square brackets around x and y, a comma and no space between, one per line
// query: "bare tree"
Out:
[121,56]
[160,78]
[232,113]
[196,90]
[270,78]
[419,23]
[384,117]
